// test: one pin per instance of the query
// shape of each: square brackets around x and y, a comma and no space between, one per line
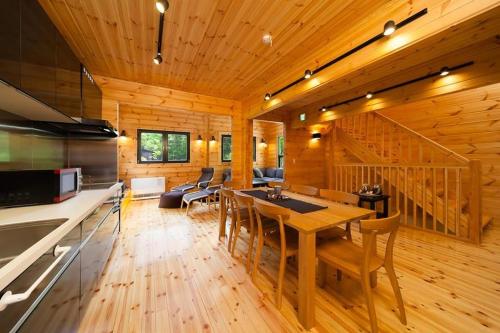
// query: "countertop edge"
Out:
[17,266]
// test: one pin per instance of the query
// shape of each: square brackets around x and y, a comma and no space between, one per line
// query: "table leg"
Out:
[386,207]
[373,275]
[307,277]
[222,217]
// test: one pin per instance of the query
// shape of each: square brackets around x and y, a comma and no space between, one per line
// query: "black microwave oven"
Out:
[38,187]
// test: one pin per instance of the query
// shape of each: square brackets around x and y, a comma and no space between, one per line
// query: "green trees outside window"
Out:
[162,146]
[281,151]
[226,148]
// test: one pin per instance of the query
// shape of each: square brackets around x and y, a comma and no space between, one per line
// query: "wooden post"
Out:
[475,198]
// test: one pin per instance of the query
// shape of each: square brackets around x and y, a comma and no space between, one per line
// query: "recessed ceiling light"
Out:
[307,74]
[158,59]
[389,28]
[161,5]
[369,95]
[267,39]
[267,97]
[444,71]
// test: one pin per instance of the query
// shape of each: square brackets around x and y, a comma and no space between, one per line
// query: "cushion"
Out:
[257,173]
[226,175]
[171,199]
[270,172]
[279,173]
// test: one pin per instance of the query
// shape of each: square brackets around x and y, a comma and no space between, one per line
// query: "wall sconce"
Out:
[199,138]
[212,139]
[123,134]
[316,136]
[263,141]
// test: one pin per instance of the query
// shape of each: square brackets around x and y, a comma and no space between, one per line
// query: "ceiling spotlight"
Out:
[323,109]
[307,74]
[267,39]
[444,71]
[161,5]
[158,59]
[369,95]
[267,97]
[389,28]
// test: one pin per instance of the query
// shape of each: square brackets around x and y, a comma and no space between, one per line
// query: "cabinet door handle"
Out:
[10,298]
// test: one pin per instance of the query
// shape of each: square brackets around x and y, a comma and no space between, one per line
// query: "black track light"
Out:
[267,97]
[389,28]
[307,74]
[444,71]
[158,59]
[162,5]
[323,109]
[369,95]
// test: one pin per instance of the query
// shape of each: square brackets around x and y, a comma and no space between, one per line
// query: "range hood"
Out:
[15,101]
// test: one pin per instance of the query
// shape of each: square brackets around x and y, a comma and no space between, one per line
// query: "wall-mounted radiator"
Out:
[145,188]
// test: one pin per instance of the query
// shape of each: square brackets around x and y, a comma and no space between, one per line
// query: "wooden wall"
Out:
[267,154]
[466,122]
[134,117]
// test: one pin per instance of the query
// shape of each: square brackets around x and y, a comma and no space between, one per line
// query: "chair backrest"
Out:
[207,175]
[372,228]
[279,214]
[338,196]
[244,201]
[304,189]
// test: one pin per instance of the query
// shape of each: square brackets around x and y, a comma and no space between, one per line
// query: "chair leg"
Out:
[258,252]
[281,277]
[397,292]
[322,270]
[187,207]
[367,290]
[339,275]
[231,230]
[182,204]
[250,248]
[236,235]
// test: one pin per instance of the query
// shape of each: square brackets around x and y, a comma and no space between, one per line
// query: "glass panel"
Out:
[151,146]
[254,149]
[177,147]
[281,145]
[226,148]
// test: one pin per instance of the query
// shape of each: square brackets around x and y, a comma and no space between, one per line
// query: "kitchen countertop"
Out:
[75,210]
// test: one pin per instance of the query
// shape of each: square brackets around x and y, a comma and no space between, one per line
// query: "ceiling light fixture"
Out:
[161,5]
[158,59]
[323,109]
[389,28]
[444,71]
[267,39]
[307,74]
[267,97]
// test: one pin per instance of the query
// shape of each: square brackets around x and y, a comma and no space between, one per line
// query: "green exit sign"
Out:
[302,117]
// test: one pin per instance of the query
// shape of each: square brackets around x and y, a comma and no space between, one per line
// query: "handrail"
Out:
[420,136]
[405,165]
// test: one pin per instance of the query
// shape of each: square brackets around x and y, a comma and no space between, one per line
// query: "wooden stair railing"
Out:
[434,188]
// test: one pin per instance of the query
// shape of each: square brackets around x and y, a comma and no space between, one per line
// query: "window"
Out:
[281,151]
[162,146]
[254,149]
[226,148]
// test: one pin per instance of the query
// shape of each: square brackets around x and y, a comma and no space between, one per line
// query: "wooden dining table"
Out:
[308,225]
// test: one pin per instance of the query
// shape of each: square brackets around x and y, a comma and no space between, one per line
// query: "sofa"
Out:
[261,176]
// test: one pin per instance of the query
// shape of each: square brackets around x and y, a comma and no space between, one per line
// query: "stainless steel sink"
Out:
[17,238]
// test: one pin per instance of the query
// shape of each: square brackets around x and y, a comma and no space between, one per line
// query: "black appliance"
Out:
[38,187]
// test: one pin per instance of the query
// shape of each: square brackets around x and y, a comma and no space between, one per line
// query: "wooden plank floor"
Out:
[168,273]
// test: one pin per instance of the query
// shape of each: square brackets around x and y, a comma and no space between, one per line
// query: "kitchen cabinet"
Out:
[10,39]
[68,79]
[38,53]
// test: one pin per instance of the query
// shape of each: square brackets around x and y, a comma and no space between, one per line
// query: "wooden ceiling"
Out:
[214,47]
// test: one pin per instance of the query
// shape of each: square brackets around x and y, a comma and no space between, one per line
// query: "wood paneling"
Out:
[169,273]
[134,117]
[267,154]
[467,123]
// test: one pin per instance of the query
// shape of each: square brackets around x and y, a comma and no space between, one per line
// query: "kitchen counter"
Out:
[75,210]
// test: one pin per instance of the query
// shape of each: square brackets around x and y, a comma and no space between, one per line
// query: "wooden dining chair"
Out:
[284,240]
[304,189]
[245,216]
[358,262]
[341,197]
[228,205]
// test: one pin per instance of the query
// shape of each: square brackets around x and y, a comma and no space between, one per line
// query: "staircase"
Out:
[434,188]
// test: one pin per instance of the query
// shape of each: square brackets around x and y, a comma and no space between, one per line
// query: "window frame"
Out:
[222,147]
[164,146]
[282,156]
